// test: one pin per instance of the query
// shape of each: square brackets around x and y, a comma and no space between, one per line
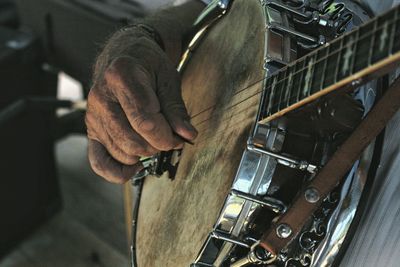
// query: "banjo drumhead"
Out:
[176,216]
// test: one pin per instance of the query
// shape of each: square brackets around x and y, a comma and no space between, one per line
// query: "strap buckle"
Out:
[257,255]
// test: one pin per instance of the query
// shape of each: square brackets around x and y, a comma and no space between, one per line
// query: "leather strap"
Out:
[292,222]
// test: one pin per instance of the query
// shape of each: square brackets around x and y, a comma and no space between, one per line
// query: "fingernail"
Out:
[184,140]
[178,147]
[190,127]
[187,141]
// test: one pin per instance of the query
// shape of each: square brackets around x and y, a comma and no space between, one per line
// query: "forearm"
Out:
[174,25]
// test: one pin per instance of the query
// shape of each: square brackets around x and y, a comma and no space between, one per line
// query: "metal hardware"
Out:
[320,41]
[148,164]
[137,186]
[285,160]
[201,264]
[307,17]
[165,161]
[280,5]
[283,231]
[257,255]
[269,202]
[312,195]
[255,172]
[214,10]
[229,239]
[356,82]
[223,4]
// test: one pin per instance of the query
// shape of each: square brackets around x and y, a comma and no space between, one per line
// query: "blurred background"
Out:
[54,211]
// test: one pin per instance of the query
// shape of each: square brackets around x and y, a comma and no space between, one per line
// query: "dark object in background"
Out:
[29,191]
[73,31]
[8,14]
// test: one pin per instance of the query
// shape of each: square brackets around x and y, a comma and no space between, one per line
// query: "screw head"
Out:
[311,195]
[283,230]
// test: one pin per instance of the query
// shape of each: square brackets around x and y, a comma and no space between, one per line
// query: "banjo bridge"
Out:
[166,161]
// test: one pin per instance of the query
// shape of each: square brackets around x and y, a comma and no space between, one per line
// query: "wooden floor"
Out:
[90,231]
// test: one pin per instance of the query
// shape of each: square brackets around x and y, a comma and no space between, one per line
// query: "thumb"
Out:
[171,102]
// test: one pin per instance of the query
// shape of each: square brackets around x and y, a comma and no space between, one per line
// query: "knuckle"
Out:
[113,76]
[144,151]
[101,169]
[164,144]
[129,160]
[94,100]
[120,154]
[89,120]
[144,122]
[135,147]
[132,147]
[117,73]
[175,107]
[91,134]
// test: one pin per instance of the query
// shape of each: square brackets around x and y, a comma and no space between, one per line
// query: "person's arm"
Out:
[135,106]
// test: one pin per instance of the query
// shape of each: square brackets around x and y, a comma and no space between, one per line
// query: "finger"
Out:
[107,167]
[97,129]
[122,134]
[172,105]
[134,90]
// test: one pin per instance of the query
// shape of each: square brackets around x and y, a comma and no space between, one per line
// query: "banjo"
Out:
[274,88]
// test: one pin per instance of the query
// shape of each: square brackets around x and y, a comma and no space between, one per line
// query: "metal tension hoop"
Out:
[290,224]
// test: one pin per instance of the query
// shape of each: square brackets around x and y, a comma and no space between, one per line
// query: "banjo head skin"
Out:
[176,216]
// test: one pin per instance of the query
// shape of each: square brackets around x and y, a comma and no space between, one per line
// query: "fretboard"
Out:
[349,60]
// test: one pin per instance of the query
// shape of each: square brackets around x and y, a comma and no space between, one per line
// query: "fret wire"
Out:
[268,111]
[391,44]
[275,102]
[396,42]
[317,72]
[313,53]
[297,100]
[301,60]
[310,71]
[272,94]
[363,37]
[335,74]
[289,87]
[300,79]
[330,54]
[354,53]
[324,70]
[281,87]
[266,91]
[324,58]
[284,89]
[371,50]
[300,82]
[375,52]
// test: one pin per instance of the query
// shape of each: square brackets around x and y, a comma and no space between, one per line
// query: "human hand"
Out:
[135,106]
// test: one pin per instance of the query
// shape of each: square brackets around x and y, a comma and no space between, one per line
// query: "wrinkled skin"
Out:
[135,106]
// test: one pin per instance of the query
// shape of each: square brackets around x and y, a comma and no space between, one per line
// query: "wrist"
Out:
[148,30]
[171,34]
[174,25]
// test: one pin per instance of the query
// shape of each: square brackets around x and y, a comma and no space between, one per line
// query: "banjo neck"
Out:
[349,61]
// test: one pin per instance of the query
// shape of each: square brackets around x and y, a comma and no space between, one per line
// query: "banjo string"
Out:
[286,78]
